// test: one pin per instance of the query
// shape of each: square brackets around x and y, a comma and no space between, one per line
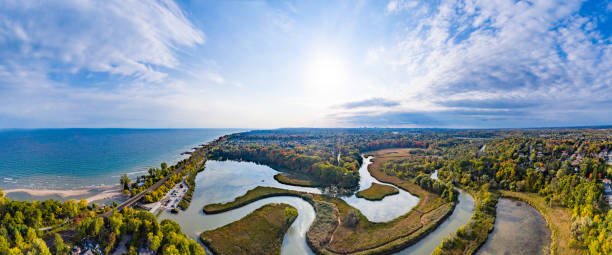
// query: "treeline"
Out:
[22,221]
[190,180]
[144,232]
[471,236]
[565,172]
[320,166]
[155,175]
[445,190]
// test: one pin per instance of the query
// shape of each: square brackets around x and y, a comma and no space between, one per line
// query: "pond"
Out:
[519,229]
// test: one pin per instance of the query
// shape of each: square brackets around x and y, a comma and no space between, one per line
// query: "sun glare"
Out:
[326,71]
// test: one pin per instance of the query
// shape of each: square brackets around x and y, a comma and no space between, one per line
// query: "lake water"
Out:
[223,181]
[519,229]
[78,158]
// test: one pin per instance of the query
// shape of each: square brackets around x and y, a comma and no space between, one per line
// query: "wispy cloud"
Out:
[135,38]
[542,57]
[372,102]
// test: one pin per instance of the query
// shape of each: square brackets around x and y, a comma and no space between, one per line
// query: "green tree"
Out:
[59,248]
[4,245]
[125,181]
[155,241]
[39,248]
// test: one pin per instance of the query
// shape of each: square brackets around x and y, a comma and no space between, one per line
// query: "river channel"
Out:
[223,181]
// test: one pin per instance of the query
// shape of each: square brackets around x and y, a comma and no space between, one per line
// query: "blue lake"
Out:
[78,158]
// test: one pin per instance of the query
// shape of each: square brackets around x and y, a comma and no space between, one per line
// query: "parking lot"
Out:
[174,196]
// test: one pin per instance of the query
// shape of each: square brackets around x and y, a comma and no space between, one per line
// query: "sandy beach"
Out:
[90,194]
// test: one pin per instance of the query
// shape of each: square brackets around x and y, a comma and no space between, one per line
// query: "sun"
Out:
[325,71]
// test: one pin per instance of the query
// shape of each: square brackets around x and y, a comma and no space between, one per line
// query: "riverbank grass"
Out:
[253,195]
[557,218]
[260,232]
[377,192]
[292,180]
[339,228]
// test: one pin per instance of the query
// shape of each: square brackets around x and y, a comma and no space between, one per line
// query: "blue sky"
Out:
[269,64]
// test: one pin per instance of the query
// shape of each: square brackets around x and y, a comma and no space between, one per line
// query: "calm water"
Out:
[519,229]
[394,205]
[76,158]
[223,181]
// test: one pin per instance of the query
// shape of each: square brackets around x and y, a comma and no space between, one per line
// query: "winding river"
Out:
[222,181]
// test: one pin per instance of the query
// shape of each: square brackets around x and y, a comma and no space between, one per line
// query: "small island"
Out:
[260,232]
[291,180]
[377,192]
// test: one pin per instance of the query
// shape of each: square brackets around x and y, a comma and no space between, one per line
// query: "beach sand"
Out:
[90,194]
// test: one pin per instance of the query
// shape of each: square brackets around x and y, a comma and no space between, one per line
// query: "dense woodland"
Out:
[24,229]
[564,167]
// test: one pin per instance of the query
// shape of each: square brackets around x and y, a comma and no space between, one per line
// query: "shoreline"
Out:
[90,194]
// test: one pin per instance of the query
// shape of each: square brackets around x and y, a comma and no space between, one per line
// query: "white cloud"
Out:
[131,38]
[399,5]
[542,53]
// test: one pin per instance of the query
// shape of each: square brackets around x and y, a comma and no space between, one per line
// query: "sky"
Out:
[272,64]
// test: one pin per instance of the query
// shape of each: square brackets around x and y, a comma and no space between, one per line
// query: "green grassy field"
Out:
[290,180]
[377,192]
[260,232]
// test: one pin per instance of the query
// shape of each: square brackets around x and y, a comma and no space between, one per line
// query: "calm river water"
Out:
[223,181]
[519,229]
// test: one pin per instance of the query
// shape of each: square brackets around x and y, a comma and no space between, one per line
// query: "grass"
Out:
[290,180]
[253,195]
[339,228]
[557,218]
[377,192]
[260,232]
[374,238]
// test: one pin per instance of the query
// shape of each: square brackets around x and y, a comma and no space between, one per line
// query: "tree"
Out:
[125,181]
[59,248]
[18,239]
[171,250]
[4,245]
[30,235]
[164,165]
[155,241]
[39,248]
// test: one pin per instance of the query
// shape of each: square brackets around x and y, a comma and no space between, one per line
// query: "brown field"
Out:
[260,232]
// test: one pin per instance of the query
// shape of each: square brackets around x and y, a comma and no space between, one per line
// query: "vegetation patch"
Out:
[291,180]
[473,235]
[253,195]
[377,192]
[557,218]
[190,180]
[341,229]
[260,232]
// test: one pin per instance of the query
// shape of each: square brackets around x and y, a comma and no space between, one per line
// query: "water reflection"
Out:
[386,209]
[223,181]
[519,229]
